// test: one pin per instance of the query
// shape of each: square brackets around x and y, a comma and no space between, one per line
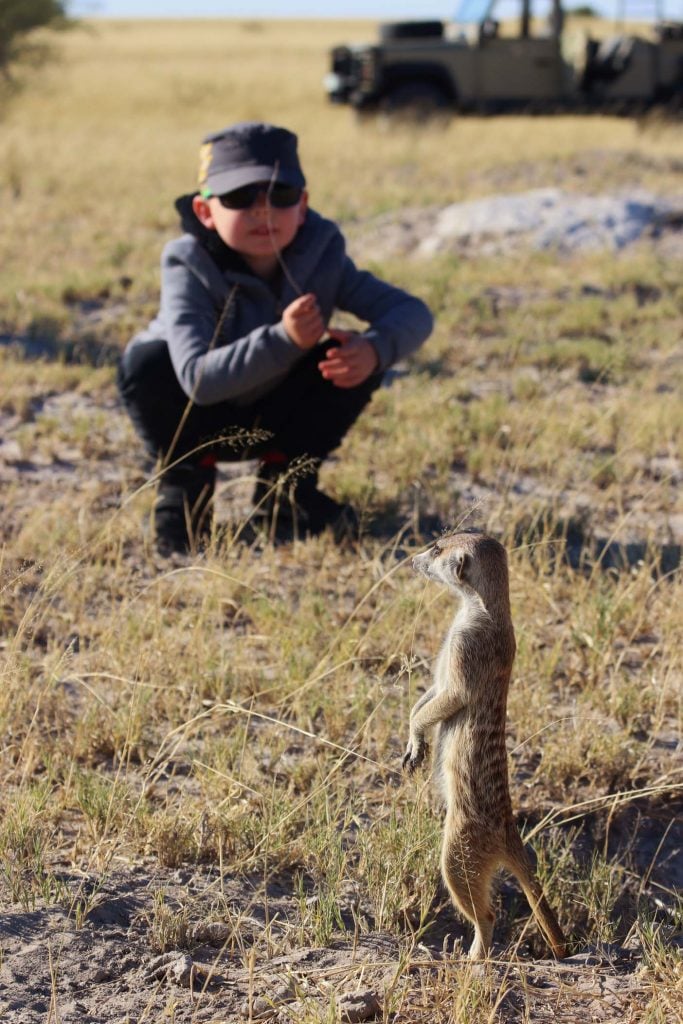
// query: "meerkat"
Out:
[467,706]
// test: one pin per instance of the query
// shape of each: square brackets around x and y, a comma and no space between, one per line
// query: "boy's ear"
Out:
[202,212]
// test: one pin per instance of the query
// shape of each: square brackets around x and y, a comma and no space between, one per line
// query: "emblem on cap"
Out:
[204,162]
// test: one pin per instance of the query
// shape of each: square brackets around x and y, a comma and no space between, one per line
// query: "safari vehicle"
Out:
[480,63]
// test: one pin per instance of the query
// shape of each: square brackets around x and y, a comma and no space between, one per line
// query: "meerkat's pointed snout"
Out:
[419,562]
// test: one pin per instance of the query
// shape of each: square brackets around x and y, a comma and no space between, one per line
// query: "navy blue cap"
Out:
[246,153]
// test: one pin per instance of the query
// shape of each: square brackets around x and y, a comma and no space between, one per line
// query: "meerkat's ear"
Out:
[461,564]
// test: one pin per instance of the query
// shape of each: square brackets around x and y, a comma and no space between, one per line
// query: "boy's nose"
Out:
[261,208]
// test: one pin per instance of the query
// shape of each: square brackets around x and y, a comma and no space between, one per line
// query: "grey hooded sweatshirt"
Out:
[223,325]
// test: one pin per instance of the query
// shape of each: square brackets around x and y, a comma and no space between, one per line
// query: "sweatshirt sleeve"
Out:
[398,322]
[207,373]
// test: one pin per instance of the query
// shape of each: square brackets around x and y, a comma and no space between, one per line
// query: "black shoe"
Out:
[293,507]
[183,513]
[319,511]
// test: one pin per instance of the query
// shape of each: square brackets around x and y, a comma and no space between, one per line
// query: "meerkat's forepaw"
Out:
[416,751]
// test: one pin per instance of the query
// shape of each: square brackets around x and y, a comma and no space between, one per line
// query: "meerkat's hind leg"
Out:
[517,862]
[469,882]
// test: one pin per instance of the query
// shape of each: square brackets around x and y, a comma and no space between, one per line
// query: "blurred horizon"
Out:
[634,10]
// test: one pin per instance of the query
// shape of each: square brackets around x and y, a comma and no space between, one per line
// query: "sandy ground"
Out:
[89,958]
[549,219]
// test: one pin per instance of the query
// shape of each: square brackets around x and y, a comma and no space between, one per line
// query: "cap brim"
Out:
[221,182]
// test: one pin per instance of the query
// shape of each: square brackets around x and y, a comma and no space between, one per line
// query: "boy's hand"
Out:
[303,321]
[352,363]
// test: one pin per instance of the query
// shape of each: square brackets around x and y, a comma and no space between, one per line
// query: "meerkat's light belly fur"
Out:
[457,753]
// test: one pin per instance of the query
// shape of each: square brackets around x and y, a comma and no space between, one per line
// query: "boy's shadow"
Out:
[389,520]
[48,347]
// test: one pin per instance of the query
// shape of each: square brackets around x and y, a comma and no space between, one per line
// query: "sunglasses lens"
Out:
[280,196]
[284,195]
[240,198]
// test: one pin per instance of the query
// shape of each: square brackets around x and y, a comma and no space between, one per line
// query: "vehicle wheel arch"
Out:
[421,78]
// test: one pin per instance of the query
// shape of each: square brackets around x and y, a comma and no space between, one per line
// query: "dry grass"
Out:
[231,729]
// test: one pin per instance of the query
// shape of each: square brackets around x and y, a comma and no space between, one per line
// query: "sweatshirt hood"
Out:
[225,257]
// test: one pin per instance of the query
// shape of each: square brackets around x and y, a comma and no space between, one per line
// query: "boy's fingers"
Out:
[333,365]
[342,353]
[312,313]
[313,323]
[341,357]
[343,373]
[310,320]
[349,366]
[337,334]
[304,311]
[303,303]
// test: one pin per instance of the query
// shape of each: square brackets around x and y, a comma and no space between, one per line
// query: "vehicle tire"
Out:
[416,101]
[411,30]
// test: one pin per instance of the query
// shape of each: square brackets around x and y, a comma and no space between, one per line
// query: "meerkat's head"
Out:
[468,562]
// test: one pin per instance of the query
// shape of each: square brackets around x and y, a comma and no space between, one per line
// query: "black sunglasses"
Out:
[278,195]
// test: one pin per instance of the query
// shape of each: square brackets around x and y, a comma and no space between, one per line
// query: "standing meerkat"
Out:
[467,705]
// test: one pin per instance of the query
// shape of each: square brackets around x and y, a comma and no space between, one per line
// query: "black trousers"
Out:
[304,415]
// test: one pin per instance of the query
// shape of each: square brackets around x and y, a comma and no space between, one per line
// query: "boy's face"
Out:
[257,233]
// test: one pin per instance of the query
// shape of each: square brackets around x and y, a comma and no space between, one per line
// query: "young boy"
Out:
[242,342]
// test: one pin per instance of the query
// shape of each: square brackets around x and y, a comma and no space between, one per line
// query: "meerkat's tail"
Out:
[517,861]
